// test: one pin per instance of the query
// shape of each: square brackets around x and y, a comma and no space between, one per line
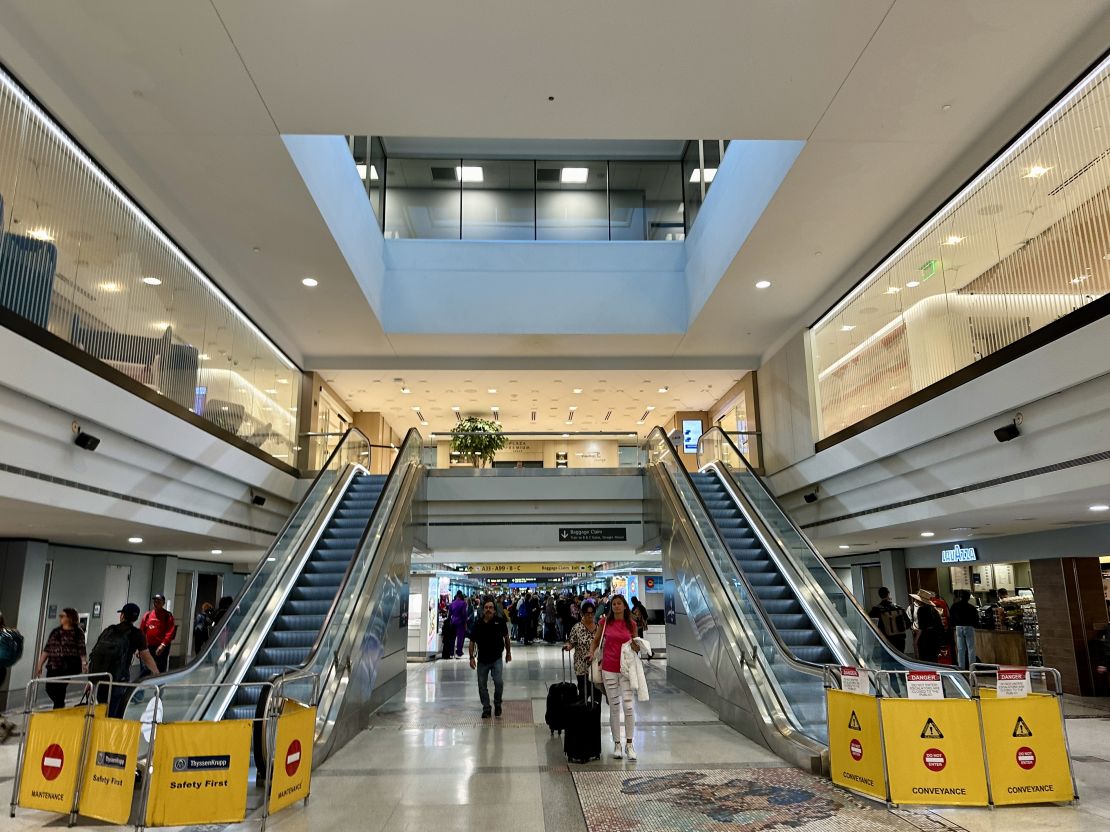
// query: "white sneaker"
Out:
[617,754]
[630,751]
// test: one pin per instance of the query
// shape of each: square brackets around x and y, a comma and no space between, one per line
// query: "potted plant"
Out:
[479,439]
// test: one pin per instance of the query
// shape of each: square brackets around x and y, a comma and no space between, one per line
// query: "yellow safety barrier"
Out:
[931,753]
[855,743]
[111,759]
[292,765]
[52,759]
[1026,752]
[199,773]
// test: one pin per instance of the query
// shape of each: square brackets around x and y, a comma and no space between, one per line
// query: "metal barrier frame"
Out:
[832,681]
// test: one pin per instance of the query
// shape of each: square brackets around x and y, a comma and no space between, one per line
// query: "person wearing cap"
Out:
[112,655]
[928,625]
[159,628]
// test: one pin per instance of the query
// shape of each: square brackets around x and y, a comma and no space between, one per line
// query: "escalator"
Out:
[297,626]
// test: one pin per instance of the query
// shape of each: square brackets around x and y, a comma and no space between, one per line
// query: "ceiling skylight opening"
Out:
[574,176]
[695,176]
[469,173]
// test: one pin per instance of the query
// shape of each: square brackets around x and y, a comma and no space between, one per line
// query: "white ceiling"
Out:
[627,393]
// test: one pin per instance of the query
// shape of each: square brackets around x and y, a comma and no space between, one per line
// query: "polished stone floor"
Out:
[430,762]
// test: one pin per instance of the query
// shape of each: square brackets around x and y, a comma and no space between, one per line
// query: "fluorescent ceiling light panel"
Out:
[695,175]
[469,173]
[574,176]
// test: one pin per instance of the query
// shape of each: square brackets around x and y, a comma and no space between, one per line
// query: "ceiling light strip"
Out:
[55,130]
[1049,115]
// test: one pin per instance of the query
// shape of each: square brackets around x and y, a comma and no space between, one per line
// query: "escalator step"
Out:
[819,654]
[773,593]
[761,580]
[789,621]
[292,638]
[776,606]
[299,622]
[312,593]
[293,656]
[327,567]
[240,712]
[306,608]
[799,638]
[329,580]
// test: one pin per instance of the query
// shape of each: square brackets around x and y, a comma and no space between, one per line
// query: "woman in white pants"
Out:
[615,630]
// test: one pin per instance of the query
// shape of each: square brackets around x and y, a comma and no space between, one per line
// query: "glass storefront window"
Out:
[572,200]
[645,201]
[498,202]
[423,199]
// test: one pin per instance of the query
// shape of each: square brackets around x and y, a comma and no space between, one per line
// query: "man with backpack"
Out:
[891,619]
[113,653]
[11,650]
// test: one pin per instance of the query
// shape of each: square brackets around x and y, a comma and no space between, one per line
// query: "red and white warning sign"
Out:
[855,680]
[293,758]
[53,761]
[924,684]
[1026,757]
[855,747]
[934,759]
[1013,683]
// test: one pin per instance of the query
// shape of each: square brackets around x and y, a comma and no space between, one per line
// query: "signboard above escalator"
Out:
[592,534]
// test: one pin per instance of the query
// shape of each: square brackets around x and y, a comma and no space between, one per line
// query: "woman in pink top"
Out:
[618,628]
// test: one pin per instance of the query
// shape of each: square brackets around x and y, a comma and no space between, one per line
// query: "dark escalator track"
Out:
[775,594]
[297,626]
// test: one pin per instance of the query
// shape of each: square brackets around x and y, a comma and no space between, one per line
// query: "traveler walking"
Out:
[113,653]
[11,650]
[891,619]
[488,639]
[616,629]
[640,614]
[63,655]
[202,627]
[928,626]
[550,615]
[965,617]
[159,628]
[581,640]
[457,614]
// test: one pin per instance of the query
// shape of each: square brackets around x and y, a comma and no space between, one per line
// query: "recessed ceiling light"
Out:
[310,282]
[695,176]
[217,551]
[1100,507]
[843,546]
[574,407]
[416,408]
[574,176]
[109,287]
[283,381]
[152,281]
[913,284]
[491,390]
[651,407]
[664,389]
[763,284]
[1036,172]
[847,327]
[893,290]
[134,540]
[568,422]
[565,435]
[204,356]
[928,534]
[952,240]
[162,325]
[1079,278]
[469,173]
[577,389]
[405,391]
[455,408]
[41,233]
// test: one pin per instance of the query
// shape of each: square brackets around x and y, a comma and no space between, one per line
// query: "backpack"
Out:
[11,647]
[894,621]
[112,653]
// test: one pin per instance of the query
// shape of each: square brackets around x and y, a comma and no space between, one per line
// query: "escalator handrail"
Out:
[413,435]
[799,664]
[900,658]
[213,638]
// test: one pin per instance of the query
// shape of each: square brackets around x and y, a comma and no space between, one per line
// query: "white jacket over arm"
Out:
[633,669]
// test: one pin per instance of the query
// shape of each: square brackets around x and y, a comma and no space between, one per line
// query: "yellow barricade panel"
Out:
[108,782]
[200,773]
[933,752]
[855,750]
[292,779]
[52,757]
[1026,752]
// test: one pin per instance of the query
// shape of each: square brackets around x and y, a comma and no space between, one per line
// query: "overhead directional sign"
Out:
[592,534]
[529,568]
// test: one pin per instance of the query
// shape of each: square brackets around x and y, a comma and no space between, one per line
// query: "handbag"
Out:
[595,665]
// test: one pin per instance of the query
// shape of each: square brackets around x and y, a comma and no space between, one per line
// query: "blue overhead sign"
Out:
[958,555]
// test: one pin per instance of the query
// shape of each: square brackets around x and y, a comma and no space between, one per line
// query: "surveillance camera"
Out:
[86,441]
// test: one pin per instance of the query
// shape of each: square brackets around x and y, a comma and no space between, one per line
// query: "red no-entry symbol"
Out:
[1026,758]
[856,747]
[293,758]
[934,759]
[52,761]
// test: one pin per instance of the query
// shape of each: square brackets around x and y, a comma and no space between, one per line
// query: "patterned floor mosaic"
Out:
[729,800]
[517,713]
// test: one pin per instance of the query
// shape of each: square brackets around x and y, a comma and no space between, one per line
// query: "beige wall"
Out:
[380,433]
[786,414]
[675,424]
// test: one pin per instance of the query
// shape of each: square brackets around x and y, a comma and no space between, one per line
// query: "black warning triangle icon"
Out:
[853,722]
[1021,729]
[931,731]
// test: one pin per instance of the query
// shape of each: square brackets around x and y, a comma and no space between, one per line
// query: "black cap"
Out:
[158,596]
[131,611]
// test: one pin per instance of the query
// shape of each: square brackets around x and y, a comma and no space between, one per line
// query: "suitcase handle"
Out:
[564,654]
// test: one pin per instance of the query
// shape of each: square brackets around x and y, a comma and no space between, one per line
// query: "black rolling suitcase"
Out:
[582,734]
[560,696]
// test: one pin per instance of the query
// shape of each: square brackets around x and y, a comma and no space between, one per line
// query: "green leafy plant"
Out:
[478,439]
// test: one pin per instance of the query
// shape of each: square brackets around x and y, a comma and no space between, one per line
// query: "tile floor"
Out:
[429,762]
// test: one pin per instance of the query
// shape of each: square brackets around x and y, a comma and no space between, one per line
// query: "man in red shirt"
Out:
[159,628]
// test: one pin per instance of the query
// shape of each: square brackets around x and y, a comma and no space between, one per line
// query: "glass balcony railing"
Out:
[533,199]
[1025,243]
[81,260]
